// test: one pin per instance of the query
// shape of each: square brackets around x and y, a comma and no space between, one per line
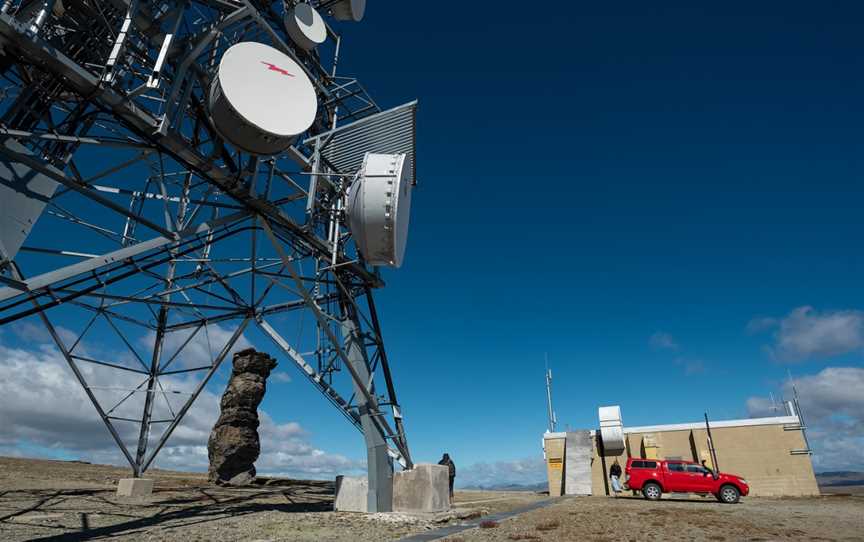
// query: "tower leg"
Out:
[380,496]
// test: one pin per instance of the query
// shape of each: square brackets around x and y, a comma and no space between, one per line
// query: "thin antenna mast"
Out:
[553,420]
[773,403]
[798,412]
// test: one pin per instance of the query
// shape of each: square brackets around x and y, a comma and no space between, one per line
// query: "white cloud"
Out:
[527,471]
[834,391]
[692,366]
[832,402]
[663,341]
[280,376]
[760,324]
[806,333]
[201,349]
[42,407]
[36,333]
[763,407]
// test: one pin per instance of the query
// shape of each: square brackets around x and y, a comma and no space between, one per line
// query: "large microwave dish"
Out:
[305,26]
[349,10]
[261,99]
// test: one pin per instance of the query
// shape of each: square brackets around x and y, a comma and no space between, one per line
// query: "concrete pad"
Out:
[425,488]
[134,487]
[351,494]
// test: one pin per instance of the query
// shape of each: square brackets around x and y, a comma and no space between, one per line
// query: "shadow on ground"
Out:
[84,513]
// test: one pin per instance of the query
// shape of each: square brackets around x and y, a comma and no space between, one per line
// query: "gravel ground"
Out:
[634,519]
[58,500]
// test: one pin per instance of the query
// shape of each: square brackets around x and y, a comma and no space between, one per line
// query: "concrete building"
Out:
[770,453]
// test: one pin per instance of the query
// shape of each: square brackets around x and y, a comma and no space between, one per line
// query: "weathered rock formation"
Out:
[234,446]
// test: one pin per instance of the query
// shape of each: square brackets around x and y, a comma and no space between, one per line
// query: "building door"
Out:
[700,479]
[677,477]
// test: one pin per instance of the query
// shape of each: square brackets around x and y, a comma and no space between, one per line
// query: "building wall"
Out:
[553,450]
[761,454]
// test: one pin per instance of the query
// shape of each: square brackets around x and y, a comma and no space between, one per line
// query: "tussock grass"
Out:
[548,525]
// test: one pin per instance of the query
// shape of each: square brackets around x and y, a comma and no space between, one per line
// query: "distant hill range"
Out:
[837,479]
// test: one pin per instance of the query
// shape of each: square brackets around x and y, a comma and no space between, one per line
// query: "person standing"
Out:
[451,466]
[615,477]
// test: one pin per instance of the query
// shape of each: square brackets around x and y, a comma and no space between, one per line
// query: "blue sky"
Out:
[629,188]
[594,174]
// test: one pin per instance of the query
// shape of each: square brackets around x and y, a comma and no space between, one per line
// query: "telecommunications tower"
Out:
[177,174]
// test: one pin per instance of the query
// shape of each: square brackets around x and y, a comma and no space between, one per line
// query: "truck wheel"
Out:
[652,491]
[729,494]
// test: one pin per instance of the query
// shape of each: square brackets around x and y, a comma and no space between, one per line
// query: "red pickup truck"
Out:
[655,476]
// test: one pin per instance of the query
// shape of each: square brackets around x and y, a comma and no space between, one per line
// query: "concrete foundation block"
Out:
[577,463]
[351,494]
[425,488]
[134,487]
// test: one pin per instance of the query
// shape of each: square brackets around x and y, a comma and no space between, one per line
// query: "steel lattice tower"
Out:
[155,230]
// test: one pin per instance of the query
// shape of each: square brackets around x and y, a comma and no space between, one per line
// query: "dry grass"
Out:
[548,525]
[65,500]
[488,524]
[631,520]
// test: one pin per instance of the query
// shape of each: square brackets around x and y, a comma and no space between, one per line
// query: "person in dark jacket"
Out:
[615,476]
[447,462]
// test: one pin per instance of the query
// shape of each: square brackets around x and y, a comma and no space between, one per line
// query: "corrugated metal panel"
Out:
[24,193]
[389,132]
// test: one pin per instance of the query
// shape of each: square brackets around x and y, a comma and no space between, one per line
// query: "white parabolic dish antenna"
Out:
[349,10]
[305,26]
[260,99]
[379,208]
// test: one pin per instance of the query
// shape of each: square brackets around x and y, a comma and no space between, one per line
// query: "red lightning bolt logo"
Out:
[276,68]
